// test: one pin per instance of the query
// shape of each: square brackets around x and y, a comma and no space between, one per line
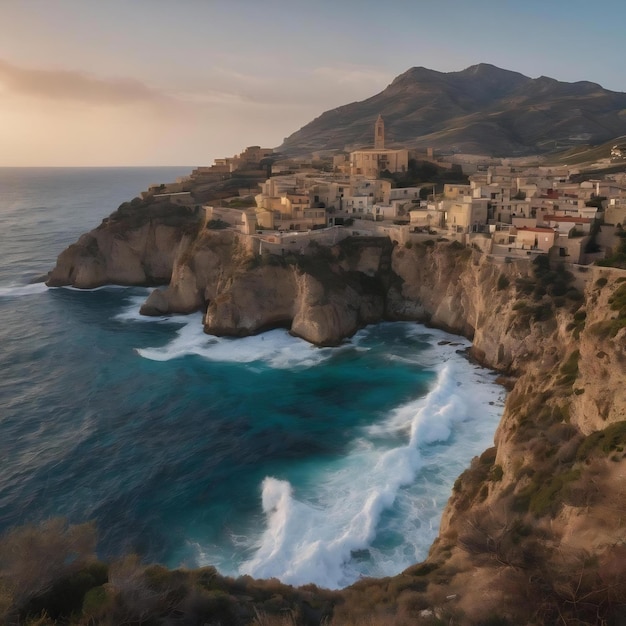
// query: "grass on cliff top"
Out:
[137,213]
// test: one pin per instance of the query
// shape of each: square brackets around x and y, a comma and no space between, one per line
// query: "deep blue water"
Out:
[262,455]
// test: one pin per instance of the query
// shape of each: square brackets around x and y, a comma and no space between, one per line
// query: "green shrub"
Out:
[618,258]
[610,328]
[603,442]
[525,285]
[601,282]
[618,300]
[67,593]
[542,312]
[539,497]
[569,369]
[574,295]
[217,224]
[607,328]
[503,282]
[96,602]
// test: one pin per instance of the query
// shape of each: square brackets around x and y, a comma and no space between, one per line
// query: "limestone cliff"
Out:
[532,528]
[323,296]
[136,245]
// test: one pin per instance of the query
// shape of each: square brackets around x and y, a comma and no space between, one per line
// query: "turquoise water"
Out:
[262,455]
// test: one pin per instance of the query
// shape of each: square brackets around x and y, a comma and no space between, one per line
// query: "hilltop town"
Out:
[505,207]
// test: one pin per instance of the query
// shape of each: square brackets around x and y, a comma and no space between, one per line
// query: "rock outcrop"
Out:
[134,246]
[323,296]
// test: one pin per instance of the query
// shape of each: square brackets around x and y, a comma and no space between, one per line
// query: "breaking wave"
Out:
[324,536]
[275,348]
[13,291]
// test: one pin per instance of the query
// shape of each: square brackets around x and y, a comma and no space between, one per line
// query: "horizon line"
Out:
[86,166]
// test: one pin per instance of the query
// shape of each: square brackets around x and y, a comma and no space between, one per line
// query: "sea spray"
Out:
[276,348]
[15,291]
[316,540]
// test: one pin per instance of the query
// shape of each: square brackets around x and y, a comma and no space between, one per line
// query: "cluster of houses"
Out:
[504,209]
[526,210]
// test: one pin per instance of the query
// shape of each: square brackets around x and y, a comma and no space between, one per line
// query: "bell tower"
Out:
[379,134]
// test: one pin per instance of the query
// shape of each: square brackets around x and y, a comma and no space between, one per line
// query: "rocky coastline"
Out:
[534,528]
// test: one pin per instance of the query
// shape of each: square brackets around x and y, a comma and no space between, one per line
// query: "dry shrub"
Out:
[567,451]
[612,574]
[588,489]
[494,535]
[570,588]
[33,558]
[365,600]
[263,619]
[411,603]
[135,600]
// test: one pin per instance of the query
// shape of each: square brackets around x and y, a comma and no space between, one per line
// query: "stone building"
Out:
[372,161]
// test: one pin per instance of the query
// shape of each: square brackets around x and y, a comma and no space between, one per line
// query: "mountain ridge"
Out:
[482,109]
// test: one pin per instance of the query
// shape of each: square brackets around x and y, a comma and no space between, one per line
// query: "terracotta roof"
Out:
[536,229]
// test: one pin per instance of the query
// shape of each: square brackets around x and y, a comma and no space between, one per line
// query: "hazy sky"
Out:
[156,82]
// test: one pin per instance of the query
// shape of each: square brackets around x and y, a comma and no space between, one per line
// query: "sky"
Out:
[156,82]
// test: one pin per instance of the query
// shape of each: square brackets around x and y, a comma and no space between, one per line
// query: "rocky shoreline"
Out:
[552,487]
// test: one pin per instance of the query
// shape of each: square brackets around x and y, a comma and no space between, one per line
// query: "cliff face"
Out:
[323,298]
[531,530]
[532,525]
[131,247]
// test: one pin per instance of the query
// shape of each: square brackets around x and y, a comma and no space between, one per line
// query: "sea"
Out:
[264,455]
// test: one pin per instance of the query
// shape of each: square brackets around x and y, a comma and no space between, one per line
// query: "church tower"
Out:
[379,134]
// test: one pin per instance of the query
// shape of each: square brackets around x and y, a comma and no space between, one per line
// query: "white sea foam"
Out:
[104,288]
[275,348]
[130,313]
[311,537]
[13,291]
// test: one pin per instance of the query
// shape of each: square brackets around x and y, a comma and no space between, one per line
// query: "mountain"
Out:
[482,110]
